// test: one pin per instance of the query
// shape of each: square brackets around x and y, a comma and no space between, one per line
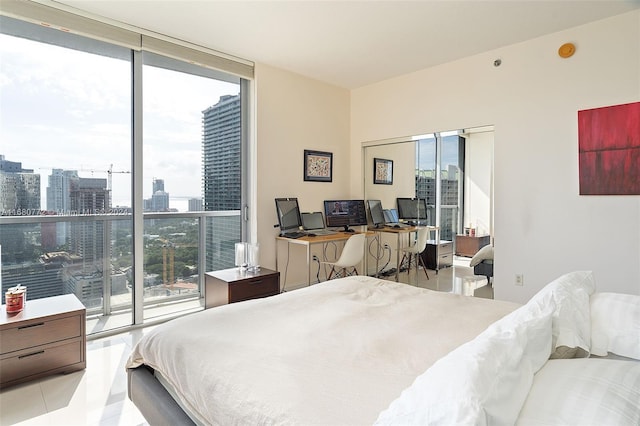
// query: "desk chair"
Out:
[412,253]
[351,255]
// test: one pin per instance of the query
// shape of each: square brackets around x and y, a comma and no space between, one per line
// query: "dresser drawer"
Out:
[39,332]
[231,285]
[253,288]
[445,248]
[43,359]
[445,260]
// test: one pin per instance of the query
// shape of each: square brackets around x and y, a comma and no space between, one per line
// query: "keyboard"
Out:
[294,235]
[321,231]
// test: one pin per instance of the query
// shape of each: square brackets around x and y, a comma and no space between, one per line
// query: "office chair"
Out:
[412,253]
[352,254]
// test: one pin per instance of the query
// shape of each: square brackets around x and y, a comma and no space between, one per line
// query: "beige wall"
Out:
[295,113]
[543,228]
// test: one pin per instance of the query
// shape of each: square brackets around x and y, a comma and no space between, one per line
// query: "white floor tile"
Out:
[20,403]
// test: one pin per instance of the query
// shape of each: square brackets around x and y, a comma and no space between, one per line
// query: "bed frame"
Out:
[154,402]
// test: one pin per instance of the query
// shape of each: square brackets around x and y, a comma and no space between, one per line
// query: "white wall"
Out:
[295,113]
[543,228]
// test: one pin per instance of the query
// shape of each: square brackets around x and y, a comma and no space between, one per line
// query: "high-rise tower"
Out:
[221,160]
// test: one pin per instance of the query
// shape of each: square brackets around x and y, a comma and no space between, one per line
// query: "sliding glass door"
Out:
[75,177]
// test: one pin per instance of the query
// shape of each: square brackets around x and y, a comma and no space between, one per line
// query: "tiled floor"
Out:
[95,396]
[98,395]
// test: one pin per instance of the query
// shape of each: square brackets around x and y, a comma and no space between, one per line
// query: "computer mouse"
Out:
[396,226]
[311,235]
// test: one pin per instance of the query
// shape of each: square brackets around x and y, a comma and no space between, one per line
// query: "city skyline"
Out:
[86,102]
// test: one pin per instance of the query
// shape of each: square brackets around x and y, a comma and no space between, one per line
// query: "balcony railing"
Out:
[91,256]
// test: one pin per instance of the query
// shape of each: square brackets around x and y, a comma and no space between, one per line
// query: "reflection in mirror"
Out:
[452,171]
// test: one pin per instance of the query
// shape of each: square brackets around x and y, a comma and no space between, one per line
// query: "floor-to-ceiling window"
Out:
[191,163]
[73,173]
[439,180]
[451,171]
[426,174]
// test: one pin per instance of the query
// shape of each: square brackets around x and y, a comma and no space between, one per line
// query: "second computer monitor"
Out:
[376,212]
[412,209]
[345,213]
[288,214]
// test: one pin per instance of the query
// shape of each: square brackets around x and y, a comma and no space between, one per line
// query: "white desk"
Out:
[307,242]
[401,231]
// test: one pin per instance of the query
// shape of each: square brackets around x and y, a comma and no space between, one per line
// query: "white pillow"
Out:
[485,253]
[569,294]
[584,392]
[484,381]
[615,324]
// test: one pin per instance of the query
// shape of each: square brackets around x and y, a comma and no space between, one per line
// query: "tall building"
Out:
[59,199]
[19,195]
[88,196]
[158,185]
[221,146]
[159,201]
[195,204]
[221,154]
[19,189]
[59,190]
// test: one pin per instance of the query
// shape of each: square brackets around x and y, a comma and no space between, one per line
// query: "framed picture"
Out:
[382,171]
[318,166]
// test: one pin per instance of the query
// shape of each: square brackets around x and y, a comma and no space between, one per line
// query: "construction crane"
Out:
[109,173]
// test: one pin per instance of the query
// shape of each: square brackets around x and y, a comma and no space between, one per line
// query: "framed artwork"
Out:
[609,150]
[318,166]
[382,171]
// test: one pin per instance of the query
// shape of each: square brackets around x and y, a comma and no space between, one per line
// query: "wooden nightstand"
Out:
[47,337]
[468,246]
[231,285]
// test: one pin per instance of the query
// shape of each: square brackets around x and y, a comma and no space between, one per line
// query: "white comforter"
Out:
[335,353]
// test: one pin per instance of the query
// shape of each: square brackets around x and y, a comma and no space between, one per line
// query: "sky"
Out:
[66,109]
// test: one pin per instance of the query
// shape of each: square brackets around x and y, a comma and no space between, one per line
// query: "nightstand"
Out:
[46,337]
[232,285]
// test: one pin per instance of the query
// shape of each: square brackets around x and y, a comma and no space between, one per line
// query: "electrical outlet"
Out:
[315,258]
[386,246]
[519,279]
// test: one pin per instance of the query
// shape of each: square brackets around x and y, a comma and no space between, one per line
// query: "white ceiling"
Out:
[353,43]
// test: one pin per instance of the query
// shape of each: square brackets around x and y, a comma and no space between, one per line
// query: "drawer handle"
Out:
[31,326]
[33,354]
[256,282]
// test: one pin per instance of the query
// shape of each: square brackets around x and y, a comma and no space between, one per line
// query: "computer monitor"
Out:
[288,214]
[313,220]
[390,215]
[412,210]
[376,212]
[345,213]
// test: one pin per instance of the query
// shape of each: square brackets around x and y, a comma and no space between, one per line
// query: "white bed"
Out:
[361,351]
[334,353]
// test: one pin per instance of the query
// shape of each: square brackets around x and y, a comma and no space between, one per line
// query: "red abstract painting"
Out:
[609,150]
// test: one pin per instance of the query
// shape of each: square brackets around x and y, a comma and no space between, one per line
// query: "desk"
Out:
[401,231]
[308,242]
